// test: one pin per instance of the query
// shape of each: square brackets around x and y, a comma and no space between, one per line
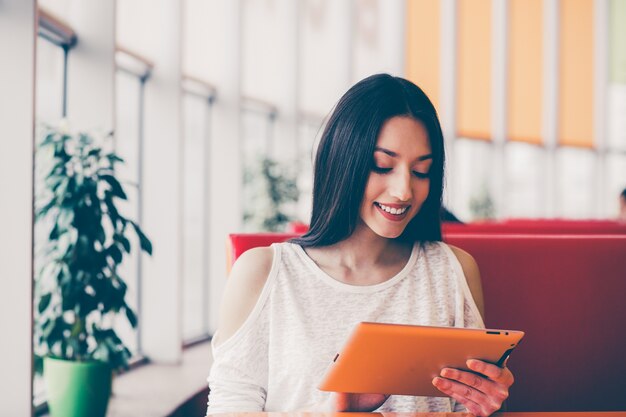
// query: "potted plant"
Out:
[271,188]
[78,289]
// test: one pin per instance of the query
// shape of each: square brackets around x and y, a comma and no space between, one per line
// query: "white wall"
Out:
[17,31]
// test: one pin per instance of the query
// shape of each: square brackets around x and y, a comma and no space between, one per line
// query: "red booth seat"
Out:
[538,226]
[567,293]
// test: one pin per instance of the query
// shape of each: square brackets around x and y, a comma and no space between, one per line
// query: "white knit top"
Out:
[277,358]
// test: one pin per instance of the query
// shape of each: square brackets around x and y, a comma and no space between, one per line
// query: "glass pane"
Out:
[49,82]
[255,137]
[615,172]
[575,183]
[128,119]
[195,250]
[524,173]
[469,193]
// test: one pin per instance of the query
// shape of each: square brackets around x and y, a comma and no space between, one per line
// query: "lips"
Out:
[393,212]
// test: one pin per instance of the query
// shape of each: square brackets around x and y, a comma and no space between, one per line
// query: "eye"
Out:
[380,170]
[421,174]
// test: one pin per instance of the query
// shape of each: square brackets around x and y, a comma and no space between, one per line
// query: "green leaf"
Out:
[130,315]
[116,187]
[88,303]
[123,241]
[102,353]
[44,302]
[114,158]
[117,220]
[64,277]
[77,328]
[47,327]
[53,331]
[38,364]
[45,209]
[100,235]
[48,139]
[69,298]
[54,233]
[52,181]
[65,244]
[61,190]
[94,152]
[115,253]
[144,242]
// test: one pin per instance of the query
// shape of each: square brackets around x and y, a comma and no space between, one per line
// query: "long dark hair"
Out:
[345,157]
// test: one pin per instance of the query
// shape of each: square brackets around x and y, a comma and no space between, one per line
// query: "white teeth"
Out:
[392,210]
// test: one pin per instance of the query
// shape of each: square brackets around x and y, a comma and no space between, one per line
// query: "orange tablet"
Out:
[403,359]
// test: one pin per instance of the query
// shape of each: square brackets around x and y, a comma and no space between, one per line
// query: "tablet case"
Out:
[403,359]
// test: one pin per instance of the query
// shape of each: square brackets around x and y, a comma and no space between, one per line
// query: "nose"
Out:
[400,186]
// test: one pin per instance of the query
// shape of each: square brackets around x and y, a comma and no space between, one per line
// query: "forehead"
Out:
[405,136]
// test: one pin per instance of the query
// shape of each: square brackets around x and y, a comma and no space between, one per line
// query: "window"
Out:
[524,171]
[472,193]
[132,73]
[197,102]
[575,186]
[257,126]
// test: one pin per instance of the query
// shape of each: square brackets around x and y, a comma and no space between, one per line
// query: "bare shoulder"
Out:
[243,288]
[472,275]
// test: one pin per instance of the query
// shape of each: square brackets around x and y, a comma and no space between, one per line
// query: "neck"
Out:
[364,248]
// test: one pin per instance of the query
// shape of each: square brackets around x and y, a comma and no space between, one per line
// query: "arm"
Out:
[472,275]
[243,287]
[484,391]
[238,377]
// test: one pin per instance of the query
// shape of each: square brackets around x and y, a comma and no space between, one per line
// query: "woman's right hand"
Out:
[357,402]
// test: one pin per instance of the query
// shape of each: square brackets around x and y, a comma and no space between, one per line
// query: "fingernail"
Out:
[440,383]
[472,363]
[445,372]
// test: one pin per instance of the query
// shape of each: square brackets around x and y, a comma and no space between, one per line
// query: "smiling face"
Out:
[399,181]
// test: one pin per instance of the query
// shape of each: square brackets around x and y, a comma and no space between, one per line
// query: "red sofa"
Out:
[538,226]
[567,293]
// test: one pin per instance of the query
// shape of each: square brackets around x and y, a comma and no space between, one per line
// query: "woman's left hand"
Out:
[481,394]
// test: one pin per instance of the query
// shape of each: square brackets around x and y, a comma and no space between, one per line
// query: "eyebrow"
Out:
[393,154]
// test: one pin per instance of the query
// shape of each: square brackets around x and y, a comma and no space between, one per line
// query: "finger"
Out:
[470,405]
[497,391]
[451,387]
[341,401]
[473,380]
[493,372]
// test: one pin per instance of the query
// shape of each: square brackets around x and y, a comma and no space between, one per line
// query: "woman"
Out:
[373,253]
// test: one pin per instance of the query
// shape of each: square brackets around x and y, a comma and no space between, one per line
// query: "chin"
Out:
[389,234]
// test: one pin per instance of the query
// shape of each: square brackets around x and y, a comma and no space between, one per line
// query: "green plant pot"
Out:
[77,389]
